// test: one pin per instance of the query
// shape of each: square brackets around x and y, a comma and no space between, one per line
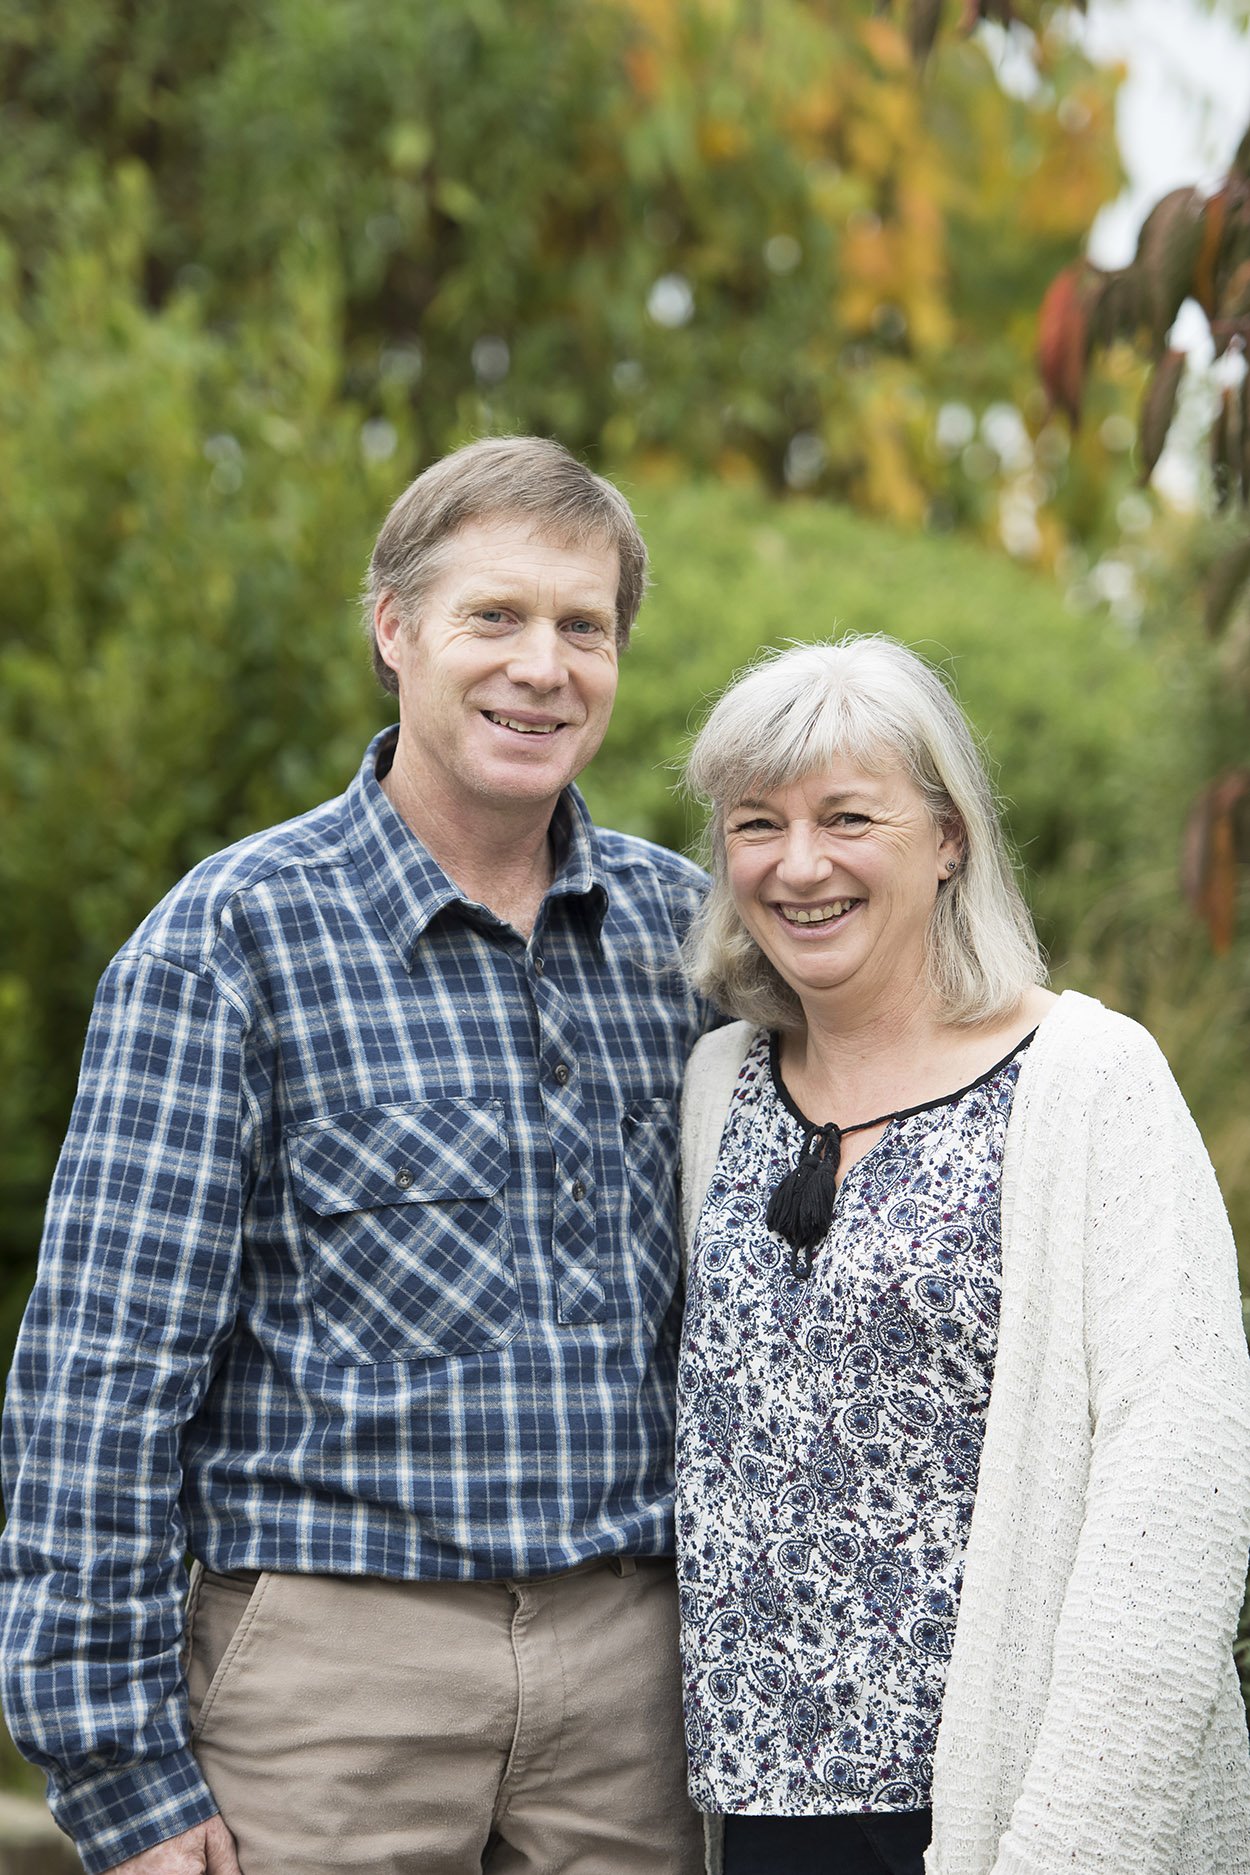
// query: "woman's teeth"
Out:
[817,914]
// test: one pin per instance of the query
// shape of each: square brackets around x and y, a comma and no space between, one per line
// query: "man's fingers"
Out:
[206,1849]
[184,1854]
[220,1857]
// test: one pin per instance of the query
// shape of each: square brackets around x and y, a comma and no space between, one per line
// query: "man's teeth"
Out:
[526,729]
[817,914]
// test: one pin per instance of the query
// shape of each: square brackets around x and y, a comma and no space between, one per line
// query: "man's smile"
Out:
[524,726]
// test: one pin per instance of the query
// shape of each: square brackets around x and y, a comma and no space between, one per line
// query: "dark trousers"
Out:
[890,1842]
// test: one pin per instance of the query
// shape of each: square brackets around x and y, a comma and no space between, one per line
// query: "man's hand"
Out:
[208,1849]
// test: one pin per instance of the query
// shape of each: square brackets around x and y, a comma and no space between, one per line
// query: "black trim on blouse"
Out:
[904,1113]
[802,1203]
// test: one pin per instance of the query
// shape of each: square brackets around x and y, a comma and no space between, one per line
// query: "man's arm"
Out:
[136,1295]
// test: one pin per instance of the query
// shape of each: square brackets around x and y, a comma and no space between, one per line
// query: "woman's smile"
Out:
[817,919]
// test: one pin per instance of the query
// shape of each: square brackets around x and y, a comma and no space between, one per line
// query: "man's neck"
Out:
[499,856]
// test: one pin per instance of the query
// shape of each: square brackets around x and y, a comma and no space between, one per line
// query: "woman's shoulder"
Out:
[1086,1058]
[719,1052]
[714,1063]
[1078,1029]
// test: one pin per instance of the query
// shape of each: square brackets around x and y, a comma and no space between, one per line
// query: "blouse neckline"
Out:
[903,1113]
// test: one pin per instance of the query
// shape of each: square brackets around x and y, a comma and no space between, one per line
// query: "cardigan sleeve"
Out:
[1142,1647]
[710,1076]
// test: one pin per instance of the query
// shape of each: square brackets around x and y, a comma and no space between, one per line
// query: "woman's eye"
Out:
[850,820]
[752,826]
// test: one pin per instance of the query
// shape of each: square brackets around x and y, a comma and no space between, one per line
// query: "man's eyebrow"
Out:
[476,597]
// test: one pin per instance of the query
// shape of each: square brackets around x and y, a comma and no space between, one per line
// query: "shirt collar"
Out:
[408,887]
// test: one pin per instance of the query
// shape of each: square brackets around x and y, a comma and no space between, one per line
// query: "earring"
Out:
[952,865]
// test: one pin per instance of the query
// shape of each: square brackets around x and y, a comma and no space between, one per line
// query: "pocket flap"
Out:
[400,1155]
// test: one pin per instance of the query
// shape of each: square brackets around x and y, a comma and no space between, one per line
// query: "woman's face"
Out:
[835,877]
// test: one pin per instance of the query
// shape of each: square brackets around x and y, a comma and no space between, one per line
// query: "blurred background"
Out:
[785,269]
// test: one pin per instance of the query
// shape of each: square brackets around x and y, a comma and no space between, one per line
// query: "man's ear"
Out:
[389,626]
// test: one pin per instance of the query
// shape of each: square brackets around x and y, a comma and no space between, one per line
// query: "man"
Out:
[358,1282]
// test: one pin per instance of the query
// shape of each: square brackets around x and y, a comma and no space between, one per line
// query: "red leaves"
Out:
[1158,403]
[1168,249]
[1230,445]
[1215,838]
[1188,245]
[1063,338]
[1213,222]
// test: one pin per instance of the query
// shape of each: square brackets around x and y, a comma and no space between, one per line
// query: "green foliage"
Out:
[699,233]
[185,523]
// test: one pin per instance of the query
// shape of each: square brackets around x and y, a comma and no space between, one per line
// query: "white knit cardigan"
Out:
[1092,1723]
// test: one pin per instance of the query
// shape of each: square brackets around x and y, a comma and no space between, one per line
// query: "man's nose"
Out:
[804,861]
[537,660]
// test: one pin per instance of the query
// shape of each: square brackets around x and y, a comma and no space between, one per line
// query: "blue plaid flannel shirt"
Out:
[360,1259]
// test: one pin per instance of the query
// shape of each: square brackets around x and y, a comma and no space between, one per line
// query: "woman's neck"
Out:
[849,1066]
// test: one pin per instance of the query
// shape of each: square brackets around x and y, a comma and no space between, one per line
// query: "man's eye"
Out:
[583,628]
[491,614]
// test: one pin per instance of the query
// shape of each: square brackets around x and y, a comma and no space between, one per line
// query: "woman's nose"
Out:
[803,862]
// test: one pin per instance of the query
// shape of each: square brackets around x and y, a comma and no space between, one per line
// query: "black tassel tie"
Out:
[801,1206]
[802,1203]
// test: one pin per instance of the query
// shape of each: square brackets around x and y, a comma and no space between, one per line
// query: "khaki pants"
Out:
[429,1728]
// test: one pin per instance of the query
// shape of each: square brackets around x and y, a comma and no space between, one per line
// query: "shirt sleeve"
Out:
[135,1296]
[1143,1647]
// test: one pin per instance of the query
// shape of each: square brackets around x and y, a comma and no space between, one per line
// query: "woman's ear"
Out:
[952,850]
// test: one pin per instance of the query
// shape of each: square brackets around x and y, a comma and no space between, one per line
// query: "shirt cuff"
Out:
[114,1814]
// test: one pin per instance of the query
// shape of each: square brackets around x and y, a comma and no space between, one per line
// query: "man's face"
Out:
[507,679]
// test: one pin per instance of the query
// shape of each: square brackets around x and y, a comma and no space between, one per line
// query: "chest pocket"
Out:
[649,1141]
[406,1236]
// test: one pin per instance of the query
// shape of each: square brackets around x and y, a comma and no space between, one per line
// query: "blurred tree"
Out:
[258,264]
[679,232]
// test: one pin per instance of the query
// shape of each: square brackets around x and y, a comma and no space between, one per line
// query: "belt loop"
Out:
[623,1565]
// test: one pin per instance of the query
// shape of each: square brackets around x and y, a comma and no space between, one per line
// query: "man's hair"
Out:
[870,701]
[502,478]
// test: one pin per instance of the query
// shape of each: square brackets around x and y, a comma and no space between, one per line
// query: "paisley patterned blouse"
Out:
[828,1437]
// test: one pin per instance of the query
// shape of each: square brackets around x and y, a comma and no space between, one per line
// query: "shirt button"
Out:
[560,1073]
[539,966]
[403,1178]
[578,1189]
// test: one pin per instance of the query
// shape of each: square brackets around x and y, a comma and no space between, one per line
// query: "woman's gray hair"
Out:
[870,701]
[501,478]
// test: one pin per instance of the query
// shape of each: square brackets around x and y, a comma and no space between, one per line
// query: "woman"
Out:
[964,1411]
